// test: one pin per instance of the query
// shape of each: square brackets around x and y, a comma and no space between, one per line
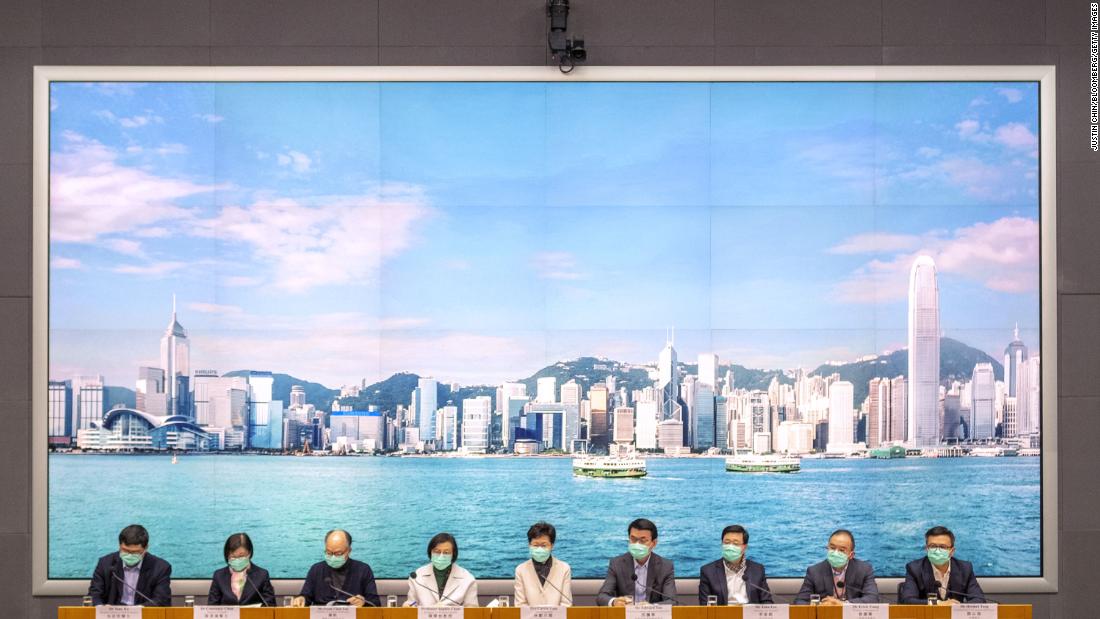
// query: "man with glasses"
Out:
[734,579]
[840,577]
[638,576]
[338,578]
[132,576]
[939,573]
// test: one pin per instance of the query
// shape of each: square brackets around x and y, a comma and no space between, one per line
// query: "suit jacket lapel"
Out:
[929,575]
[115,585]
[955,582]
[723,589]
[651,577]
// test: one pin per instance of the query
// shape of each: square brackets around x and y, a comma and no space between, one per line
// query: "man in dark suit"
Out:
[639,575]
[939,573]
[840,577]
[734,579]
[338,578]
[132,576]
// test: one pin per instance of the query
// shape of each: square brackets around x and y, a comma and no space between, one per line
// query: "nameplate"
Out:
[439,612]
[649,611]
[766,611]
[866,611]
[331,612]
[217,612]
[542,612]
[974,611]
[117,612]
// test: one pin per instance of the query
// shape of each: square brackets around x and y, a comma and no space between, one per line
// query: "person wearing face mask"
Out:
[543,580]
[442,582]
[939,573]
[734,579]
[338,578]
[640,575]
[132,576]
[840,577]
[241,582]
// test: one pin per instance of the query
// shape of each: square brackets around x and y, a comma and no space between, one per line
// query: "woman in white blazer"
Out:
[442,582]
[543,580]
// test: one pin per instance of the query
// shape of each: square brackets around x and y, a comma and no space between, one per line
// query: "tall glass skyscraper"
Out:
[924,354]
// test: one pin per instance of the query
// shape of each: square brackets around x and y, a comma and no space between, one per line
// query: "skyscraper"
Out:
[59,427]
[297,396]
[427,403]
[546,390]
[598,398]
[175,360]
[708,370]
[841,405]
[668,381]
[924,354]
[571,393]
[475,423]
[703,416]
[624,425]
[1015,355]
[88,395]
[982,394]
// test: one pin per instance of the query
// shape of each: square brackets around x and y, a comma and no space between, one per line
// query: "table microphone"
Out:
[328,581]
[555,587]
[634,577]
[965,595]
[762,589]
[249,582]
[134,589]
[412,577]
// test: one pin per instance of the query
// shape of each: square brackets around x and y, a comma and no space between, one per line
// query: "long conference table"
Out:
[1004,611]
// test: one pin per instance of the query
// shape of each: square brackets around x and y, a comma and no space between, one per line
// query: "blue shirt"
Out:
[641,570]
[130,577]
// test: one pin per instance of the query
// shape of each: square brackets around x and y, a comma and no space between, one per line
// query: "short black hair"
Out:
[346,534]
[736,528]
[641,524]
[541,528]
[938,530]
[438,539]
[235,541]
[844,532]
[134,535]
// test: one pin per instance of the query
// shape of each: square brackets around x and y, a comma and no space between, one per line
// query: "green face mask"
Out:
[539,554]
[336,561]
[638,551]
[130,559]
[731,553]
[939,556]
[441,561]
[837,559]
[239,564]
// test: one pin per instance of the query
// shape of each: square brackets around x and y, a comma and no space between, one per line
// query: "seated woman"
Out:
[240,583]
[442,582]
[543,580]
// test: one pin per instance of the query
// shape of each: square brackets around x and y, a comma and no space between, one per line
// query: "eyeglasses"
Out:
[939,547]
[639,540]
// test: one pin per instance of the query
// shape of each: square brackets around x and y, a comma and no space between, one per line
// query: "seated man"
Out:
[940,573]
[734,579]
[840,577]
[132,576]
[640,575]
[338,578]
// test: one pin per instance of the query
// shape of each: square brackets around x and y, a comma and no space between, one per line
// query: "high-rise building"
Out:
[448,437]
[598,398]
[59,428]
[647,410]
[668,381]
[703,416]
[546,390]
[265,414]
[841,406]
[708,370]
[899,410]
[924,354]
[297,396]
[427,390]
[624,425]
[670,435]
[982,394]
[1028,400]
[175,360]
[88,396]
[1015,354]
[475,423]
[878,411]
[721,422]
[952,411]
[571,393]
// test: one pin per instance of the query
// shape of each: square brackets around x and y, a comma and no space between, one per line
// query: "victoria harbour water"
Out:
[392,506]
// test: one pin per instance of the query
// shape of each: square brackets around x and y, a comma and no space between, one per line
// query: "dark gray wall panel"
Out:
[125,22]
[15,234]
[294,22]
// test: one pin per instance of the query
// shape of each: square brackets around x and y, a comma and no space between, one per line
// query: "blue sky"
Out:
[477,232]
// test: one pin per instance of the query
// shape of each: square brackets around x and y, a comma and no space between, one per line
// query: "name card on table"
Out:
[117,612]
[649,611]
[866,611]
[542,612]
[766,611]
[331,612]
[217,612]
[439,612]
[974,611]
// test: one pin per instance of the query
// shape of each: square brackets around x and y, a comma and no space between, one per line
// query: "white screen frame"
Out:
[1044,75]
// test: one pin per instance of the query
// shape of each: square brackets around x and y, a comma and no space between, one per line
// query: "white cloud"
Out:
[325,240]
[126,247]
[295,160]
[1016,136]
[60,262]
[1013,95]
[174,148]
[211,118]
[214,308]
[979,101]
[971,130]
[876,242]
[1002,255]
[556,265]
[91,194]
[928,151]
[130,122]
[241,281]
[152,269]
[153,232]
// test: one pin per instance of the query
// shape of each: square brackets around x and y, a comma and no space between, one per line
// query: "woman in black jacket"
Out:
[240,582]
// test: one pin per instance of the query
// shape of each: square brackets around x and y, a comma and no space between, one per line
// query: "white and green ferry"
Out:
[609,466]
[763,463]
